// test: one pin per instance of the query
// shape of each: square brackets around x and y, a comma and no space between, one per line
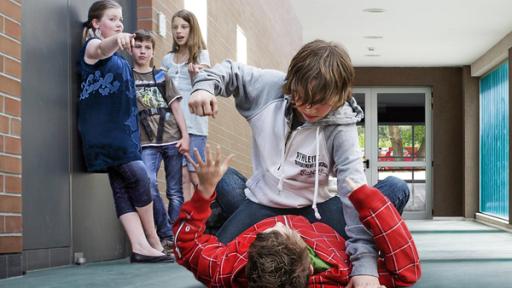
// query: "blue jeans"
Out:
[247,213]
[152,157]
[198,142]
[130,186]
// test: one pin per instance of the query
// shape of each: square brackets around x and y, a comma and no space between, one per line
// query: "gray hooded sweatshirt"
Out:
[292,168]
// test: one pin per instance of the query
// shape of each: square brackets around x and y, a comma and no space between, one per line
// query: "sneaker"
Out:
[168,244]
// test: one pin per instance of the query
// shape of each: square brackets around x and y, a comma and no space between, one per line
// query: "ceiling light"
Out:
[374,10]
[373,37]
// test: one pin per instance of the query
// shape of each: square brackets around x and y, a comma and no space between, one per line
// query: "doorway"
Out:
[395,138]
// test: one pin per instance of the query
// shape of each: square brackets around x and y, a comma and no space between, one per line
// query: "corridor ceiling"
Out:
[408,33]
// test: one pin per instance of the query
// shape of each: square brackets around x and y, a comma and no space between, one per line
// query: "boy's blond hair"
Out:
[320,73]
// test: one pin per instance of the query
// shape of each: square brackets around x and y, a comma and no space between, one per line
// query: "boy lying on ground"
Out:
[288,251]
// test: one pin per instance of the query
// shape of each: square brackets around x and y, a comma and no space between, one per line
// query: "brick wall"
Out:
[10,127]
[273,34]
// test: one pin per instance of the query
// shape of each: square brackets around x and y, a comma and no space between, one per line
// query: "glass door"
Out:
[396,139]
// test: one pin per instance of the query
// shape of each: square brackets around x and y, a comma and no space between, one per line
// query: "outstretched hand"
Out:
[211,171]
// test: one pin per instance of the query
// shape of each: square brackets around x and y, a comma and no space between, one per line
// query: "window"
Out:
[199,8]
[241,46]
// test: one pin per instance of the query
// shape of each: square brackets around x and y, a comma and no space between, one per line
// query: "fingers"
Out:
[126,41]
[191,161]
[351,184]
[198,157]
[207,109]
[213,104]
[218,156]
[192,108]
[226,161]
[208,155]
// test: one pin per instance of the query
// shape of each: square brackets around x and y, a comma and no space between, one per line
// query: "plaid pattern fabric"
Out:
[219,265]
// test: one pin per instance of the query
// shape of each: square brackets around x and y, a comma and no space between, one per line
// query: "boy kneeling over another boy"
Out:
[288,250]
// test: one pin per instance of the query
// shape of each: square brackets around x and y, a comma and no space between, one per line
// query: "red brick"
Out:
[12,29]
[11,10]
[2,24]
[10,86]
[13,224]
[10,47]
[145,13]
[2,226]
[1,104]
[12,145]
[1,144]
[15,127]
[2,185]
[12,184]
[4,124]
[1,61]
[144,3]
[10,164]
[10,204]
[12,106]
[12,68]
[145,24]
[10,244]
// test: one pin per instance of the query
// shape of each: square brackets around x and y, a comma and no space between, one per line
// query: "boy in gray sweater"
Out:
[304,130]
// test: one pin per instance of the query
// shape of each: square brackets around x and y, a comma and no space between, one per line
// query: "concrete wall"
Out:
[471,142]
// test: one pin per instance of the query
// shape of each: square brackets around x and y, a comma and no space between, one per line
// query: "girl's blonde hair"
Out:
[96,11]
[195,41]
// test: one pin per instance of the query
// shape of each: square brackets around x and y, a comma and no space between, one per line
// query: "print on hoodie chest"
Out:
[308,164]
[301,157]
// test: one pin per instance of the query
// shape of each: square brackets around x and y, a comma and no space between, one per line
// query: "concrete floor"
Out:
[454,254]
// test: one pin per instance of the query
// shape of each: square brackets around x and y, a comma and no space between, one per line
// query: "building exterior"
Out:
[51,210]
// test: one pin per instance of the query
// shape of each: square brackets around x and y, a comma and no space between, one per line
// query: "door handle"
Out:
[366,163]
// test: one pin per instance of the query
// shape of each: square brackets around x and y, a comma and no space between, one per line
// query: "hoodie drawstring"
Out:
[315,196]
[281,161]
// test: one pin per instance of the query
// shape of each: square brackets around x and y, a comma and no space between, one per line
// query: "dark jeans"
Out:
[246,213]
[152,157]
[130,186]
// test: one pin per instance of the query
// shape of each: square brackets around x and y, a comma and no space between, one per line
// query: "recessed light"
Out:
[373,37]
[374,10]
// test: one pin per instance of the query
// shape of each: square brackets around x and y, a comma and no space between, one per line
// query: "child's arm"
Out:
[204,62]
[347,160]
[401,264]
[252,88]
[174,105]
[212,262]
[184,143]
[100,49]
